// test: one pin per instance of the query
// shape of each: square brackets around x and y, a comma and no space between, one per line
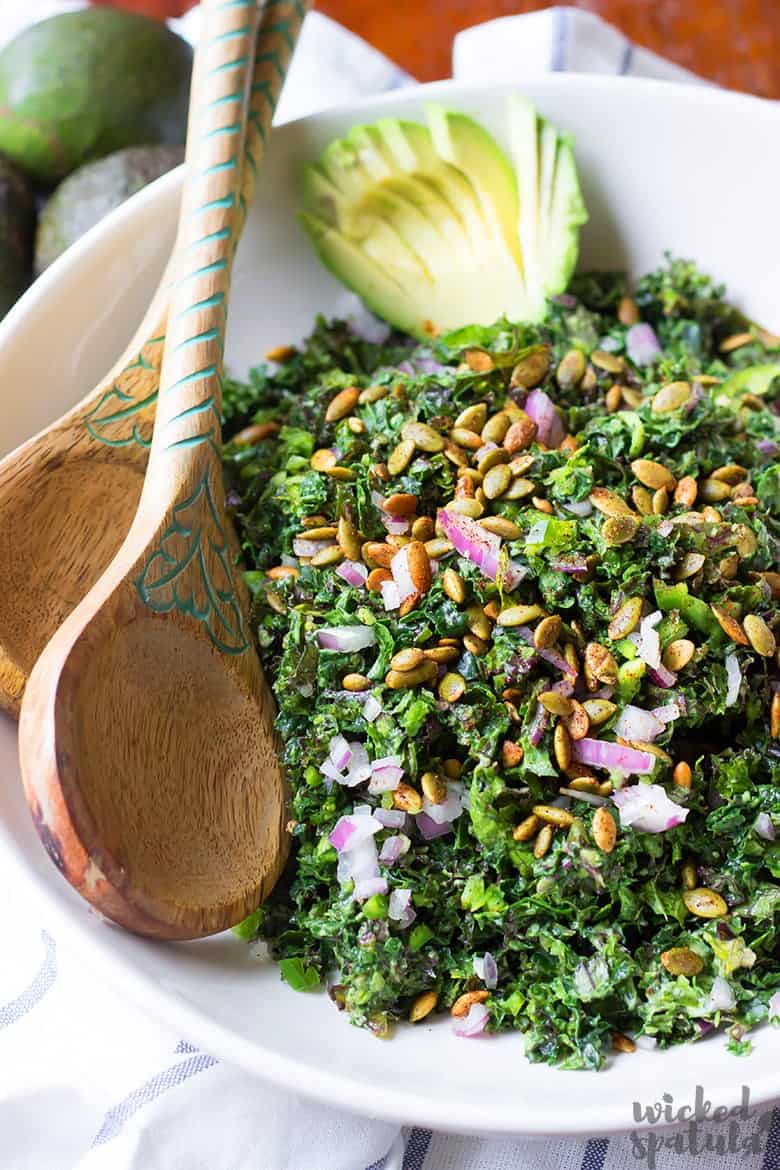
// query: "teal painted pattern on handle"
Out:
[116,411]
[177,576]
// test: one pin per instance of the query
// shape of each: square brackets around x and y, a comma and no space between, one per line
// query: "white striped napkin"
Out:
[87,1082]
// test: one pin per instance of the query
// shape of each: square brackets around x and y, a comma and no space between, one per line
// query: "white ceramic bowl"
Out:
[694,170]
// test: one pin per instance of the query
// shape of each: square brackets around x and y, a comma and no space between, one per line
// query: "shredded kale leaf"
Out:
[583,937]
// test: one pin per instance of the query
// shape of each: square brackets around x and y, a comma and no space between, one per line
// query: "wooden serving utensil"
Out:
[146,734]
[69,494]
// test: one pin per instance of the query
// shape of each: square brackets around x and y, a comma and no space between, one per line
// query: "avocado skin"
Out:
[92,191]
[82,84]
[17,229]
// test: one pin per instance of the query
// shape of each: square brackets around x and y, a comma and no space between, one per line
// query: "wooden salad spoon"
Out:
[146,735]
[69,494]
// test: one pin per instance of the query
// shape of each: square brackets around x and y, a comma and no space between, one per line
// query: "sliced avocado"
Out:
[426,224]
[92,191]
[551,205]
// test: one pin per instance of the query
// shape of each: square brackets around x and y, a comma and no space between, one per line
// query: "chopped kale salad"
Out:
[517,592]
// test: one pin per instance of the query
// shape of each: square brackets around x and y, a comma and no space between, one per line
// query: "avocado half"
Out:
[435,227]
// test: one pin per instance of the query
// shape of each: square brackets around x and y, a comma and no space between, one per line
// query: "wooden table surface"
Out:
[734,42]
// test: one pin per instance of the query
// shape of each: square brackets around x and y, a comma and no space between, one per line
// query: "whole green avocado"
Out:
[92,191]
[83,84]
[17,225]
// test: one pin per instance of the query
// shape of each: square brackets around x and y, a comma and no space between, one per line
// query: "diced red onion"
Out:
[359,766]
[538,725]
[552,656]
[447,810]
[474,1023]
[572,564]
[367,887]
[395,525]
[385,779]
[609,344]
[407,368]
[666,714]
[646,807]
[603,693]
[290,562]
[399,567]
[429,366]
[764,828]
[634,723]
[399,903]
[429,829]
[694,398]
[514,573]
[390,595]
[541,408]
[486,969]
[387,762]
[391,818]
[734,676]
[600,753]
[372,709]
[642,345]
[565,300]
[378,500]
[346,639]
[393,848]
[589,797]
[648,1043]
[767,447]
[339,752]
[773,1006]
[362,810]
[579,508]
[662,677]
[721,996]
[368,327]
[309,548]
[353,572]
[351,831]
[647,641]
[472,541]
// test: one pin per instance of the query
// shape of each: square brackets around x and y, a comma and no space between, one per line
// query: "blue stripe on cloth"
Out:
[772,1151]
[185,1046]
[560,38]
[380,1165]
[116,1117]
[627,60]
[595,1154]
[416,1149]
[47,973]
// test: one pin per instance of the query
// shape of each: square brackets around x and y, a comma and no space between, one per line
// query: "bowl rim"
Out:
[330,1087]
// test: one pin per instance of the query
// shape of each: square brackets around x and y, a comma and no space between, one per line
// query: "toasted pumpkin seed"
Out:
[471,508]
[511,753]
[438,547]
[711,515]
[497,481]
[491,459]
[407,659]
[324,532]
[442,653]
[774,716]
[599,711]
[519,489]
[531,369]
[686,491]
[682,961]
[406,798]
[422,1006]
[577,721]
[400,457]
[327,556]
[714,491]
[730,625]
[613,363]
[423,529]
[671,397]
[609,503]
[434,788]
[735,341]
[355,682]
[520,615]
[618,530]
[452,687]
[373,394]
[562,747]
[582,783]
[705,903]
[399,680]
[643,501]
[454,586]
[452,768]
[682,774]
[571,369]
[526,829]
[661,502]
[375,579]
[323,459]
[473,418]
[348,539]
[546,633]
[689,876]
[653,475]
[343,404]
[604,829]
[496,427]
[622,1043]
[600,667]
[731,473]
[543,841]
[613,399]
[423,437]
[463,1003]
[690,564]
[626,619]
[628,311]
[556,703]
[678,654]
[521,434]
[279,572]
[465,438]
[728,567]
[500,526]
[746,541]
[760,636]
[552,815]
[478,361]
